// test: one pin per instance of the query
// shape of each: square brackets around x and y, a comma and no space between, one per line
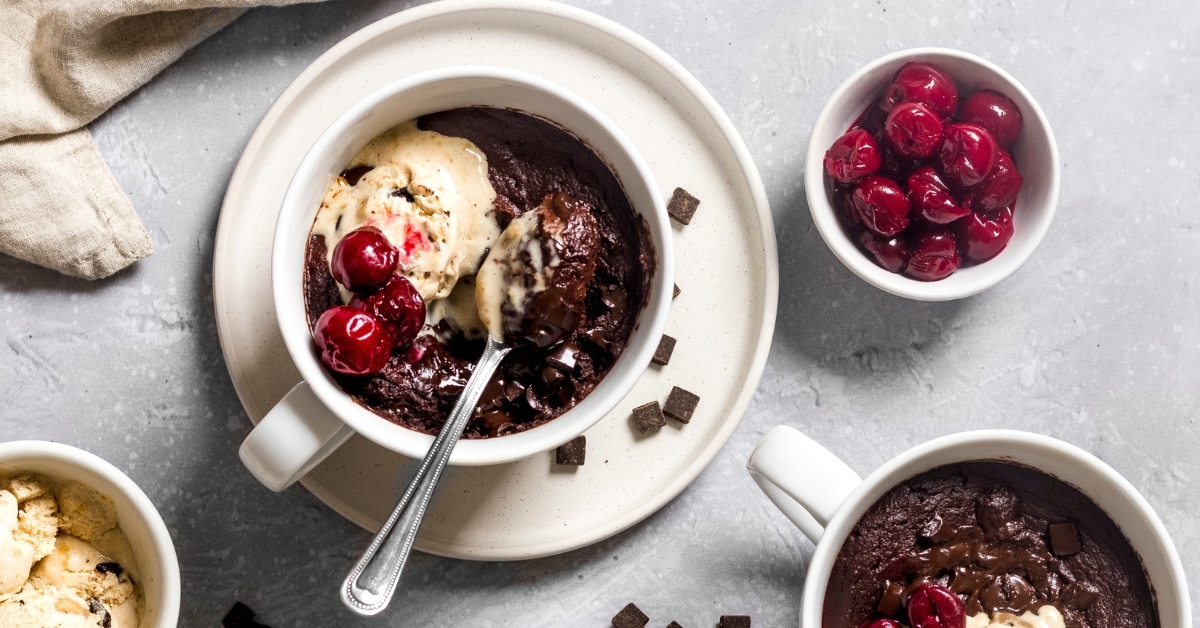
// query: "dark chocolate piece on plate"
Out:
[680,405]
[735,621]
[572,452]
[674,624]
[1064,539]
[240,616]
[630,617]
[649,417]
[662,355]
[682,206]
[352,175]
[890,603]
[674,290]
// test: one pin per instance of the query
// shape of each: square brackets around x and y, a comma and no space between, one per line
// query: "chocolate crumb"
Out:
[649,417]
[1064,539]
[630,617]
[675,290]
[682,206]
[680,405]
[666,346]
[735,621]
[240,616]
[572,452]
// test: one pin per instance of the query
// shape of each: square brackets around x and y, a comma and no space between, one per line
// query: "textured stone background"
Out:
[1095,341]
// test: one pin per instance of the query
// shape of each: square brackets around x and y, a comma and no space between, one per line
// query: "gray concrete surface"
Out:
[1095,341]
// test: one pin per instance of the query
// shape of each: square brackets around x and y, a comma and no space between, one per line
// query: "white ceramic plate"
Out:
[726,267]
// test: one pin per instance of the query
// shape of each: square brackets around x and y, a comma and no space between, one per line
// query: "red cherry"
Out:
[933,255]
[895,166]
[968,155]
[924,83]
[913,130]
[1001,187]
[398,306]
[983,236]
[931,606]
[931,197]
[852,157]
[889,254]
[363,259]
[351,341]
[880,205]
[996,113]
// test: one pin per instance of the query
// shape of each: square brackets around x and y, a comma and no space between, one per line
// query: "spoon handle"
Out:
[369,587]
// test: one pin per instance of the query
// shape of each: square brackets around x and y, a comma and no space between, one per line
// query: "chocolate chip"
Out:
[112,568]
[352,175]
[630,617]
[682,206]
[648,418]
[572,452]
[680,405]
[675,291]
[735,621]
[662,355]
[890,603]
[404,194]
[1064,539]
[240,616]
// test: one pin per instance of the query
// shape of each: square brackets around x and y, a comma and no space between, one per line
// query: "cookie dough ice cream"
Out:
[64,561]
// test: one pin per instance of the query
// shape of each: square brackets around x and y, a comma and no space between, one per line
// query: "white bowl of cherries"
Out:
[932,174]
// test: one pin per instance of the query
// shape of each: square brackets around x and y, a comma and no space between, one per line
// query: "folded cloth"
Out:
[62,64]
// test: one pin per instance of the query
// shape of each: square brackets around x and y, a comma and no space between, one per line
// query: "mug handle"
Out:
[803,479]
[295,436]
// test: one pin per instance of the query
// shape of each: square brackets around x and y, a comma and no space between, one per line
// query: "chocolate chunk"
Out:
[682,206]
[563,357]
[630,617]
[240,616]
[404,194]
[675,292]
[352,175]
[1064,539]
[680,405]
[1008,593]
[1080,595]
[112,568]
[666,346]
[891,603]
[999,513]
[674,624]
[735,621]
[572,452]
[648,418]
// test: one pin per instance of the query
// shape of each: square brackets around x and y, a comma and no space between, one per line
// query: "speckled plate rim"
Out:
[760,347]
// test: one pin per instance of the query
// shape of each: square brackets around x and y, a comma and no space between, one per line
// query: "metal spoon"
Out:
[370,585]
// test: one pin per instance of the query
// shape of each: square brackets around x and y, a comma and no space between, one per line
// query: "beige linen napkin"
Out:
[62,64]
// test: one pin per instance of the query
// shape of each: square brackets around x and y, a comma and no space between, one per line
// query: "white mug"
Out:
[316,417]
[825,499]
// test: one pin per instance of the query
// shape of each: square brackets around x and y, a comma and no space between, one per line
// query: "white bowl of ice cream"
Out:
[79,542]
[273,452]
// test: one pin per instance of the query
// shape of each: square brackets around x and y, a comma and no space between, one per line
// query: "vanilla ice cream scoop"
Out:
[428,193]
[530,289]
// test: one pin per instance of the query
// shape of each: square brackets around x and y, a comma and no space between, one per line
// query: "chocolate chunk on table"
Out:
[682,206]
[240,616]
[1064,539]
[674,290]
[674,624]
[630,617]
[572,452]
[666,346]
[649,417]
[735,621]
[680,405]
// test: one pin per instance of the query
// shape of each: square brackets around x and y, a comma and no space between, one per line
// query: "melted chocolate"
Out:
[528,160]
[981,529]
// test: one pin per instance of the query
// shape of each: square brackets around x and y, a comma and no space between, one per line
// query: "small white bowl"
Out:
[1035,154]
[313,419]
[139,520]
